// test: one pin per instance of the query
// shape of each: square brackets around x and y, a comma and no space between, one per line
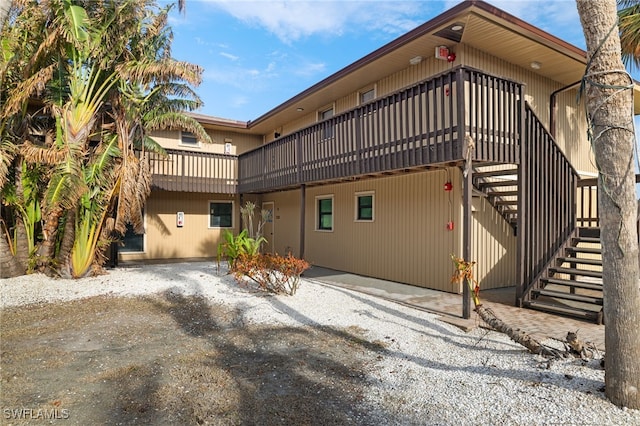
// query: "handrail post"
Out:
[467,154]
[466,234]
[303,198]
[523,194]
[298,156]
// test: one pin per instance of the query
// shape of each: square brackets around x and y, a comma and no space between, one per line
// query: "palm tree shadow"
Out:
[276,374]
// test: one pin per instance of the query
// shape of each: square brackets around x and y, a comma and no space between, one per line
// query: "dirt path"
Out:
[172,360]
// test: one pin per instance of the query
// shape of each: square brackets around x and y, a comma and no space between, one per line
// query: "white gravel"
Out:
[433,373]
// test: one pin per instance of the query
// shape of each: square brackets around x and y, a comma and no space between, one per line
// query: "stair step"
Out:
[589,250]
[574,271]
[508,211]
[580,261]
[491,173]
[498,184]
[502,193]
[564,310]
[572,283]
[594,300]
[590,240]
[593,232]
[506,202]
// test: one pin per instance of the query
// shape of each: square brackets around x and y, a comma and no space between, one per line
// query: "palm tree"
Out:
[609,100]
[629,24]
[102,74]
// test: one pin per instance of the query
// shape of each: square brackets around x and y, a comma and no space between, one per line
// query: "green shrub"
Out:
[234,246]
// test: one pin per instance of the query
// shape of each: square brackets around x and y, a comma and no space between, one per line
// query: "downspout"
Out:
[553,107]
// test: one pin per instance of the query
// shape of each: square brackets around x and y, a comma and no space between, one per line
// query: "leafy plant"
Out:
[273,273]
[464,272]
[247,212]
[239,245]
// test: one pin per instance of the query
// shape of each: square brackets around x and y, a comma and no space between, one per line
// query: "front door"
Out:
[267,231]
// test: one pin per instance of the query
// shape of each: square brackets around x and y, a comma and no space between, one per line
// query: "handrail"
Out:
[190,171]
[547,203]
[416,126]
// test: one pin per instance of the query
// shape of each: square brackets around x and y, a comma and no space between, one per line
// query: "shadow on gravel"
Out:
[176,359]
[265,374]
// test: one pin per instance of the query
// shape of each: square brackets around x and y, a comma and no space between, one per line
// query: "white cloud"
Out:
[310,69]
[229,56]
[238,101]
[293,20]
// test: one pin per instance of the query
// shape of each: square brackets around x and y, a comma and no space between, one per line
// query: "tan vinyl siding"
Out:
[410,75]
[408,240]
[494,247]
[307,119]
[286,221]
[170,139]
[165,240]
[571,125]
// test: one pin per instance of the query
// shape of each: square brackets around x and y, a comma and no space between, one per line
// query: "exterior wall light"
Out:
[415,60]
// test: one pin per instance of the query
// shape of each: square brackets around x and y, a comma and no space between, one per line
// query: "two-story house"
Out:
[463,136]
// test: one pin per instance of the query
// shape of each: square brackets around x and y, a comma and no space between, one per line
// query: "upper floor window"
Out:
[221,214]
[189,139]
[327,128]
[367,95]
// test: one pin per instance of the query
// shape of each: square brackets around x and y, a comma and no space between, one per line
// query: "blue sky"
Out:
[258,54]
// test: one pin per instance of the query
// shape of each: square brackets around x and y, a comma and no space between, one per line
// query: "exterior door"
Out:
[268,231]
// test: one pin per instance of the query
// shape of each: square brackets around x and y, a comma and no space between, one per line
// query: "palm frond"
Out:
[42,155]
[150,145]
[629,25]
[147,71]
[99,169]
[25,90]
[8,151]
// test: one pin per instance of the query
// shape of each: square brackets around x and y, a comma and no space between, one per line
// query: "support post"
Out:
[303,197]
[242,224]
[466,233]
[523,201]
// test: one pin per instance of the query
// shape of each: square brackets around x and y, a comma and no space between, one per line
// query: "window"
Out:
[364,207]
[188,138]
[367,96]
[133,243]
[327,128]
[324,213]
[220,214]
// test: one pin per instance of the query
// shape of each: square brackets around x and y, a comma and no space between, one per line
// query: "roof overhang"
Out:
[486,28]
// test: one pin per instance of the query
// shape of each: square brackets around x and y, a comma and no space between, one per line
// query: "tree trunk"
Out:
[517,335]
[609,104]
[47,249]
[9,265]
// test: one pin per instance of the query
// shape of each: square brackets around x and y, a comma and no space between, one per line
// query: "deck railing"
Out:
[190,171]
[587,212]
[417,126]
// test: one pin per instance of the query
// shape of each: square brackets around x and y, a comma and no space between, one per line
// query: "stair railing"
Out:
[547,184]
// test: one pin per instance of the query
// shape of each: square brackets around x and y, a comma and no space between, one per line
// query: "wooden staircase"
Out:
[500,185]
[571,283]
